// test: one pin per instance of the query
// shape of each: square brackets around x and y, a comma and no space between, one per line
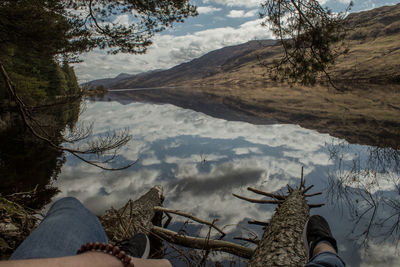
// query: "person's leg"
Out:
[67,226]
[326,259]
[320,245]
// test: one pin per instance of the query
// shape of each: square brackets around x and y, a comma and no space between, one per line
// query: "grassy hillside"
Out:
[374,57]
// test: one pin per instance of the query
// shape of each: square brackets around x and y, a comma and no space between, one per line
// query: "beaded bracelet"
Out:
[109,249]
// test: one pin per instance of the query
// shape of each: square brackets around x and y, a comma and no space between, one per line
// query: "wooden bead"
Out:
[108,248]
[126,260]
[115,250]
[121,255]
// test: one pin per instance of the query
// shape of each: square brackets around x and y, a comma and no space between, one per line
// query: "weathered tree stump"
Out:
[135,217]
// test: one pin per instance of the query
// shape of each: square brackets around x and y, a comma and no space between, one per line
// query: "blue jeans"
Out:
[67,226]
[325,259]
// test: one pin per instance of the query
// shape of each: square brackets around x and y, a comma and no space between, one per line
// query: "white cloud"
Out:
[86,184]
[380,254]
[246,150]
[323,2]
[370,181]
[153,122]
[195,158]
[247,3]
[122,20]
[151,159]
[242,13]
[168,51]
[207,9]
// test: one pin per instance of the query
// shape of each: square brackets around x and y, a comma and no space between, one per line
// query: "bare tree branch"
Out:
[180,213]
[276,196]
[202,243]
[260,201]
[258,223]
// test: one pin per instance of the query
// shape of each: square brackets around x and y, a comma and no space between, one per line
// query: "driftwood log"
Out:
[282,241]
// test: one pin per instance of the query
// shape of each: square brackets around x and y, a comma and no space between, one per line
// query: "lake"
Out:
[201,160]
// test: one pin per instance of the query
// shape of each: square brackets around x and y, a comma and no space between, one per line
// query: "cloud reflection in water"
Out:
[201,161]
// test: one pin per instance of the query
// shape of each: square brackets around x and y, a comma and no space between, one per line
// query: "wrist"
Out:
[107,249]
[98,258]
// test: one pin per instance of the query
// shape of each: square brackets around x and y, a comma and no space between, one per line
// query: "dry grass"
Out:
[372,60]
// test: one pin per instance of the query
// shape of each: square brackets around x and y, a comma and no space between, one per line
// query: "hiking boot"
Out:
[137,246]
[316,230]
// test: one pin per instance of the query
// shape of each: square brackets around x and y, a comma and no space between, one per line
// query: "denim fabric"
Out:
[326,259]
[67,226]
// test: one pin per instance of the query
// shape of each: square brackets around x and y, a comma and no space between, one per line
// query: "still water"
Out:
[200,161]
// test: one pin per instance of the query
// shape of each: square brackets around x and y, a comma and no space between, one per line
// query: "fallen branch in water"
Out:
[259,201]
[276,196]
[180,213]
[202,243]
[258,223]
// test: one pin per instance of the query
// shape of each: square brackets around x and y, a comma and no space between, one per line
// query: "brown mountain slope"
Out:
[219,61]
[374,57]
[374,54]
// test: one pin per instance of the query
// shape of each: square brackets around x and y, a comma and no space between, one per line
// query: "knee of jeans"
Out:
[67,202]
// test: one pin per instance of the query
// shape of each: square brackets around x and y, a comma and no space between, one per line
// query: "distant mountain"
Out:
[109,82]
[212,63]
[374,57]
[106,81]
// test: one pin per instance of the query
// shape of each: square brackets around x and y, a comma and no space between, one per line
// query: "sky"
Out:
[220,23]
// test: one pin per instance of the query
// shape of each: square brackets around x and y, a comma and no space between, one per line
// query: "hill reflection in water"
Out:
[200,161]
